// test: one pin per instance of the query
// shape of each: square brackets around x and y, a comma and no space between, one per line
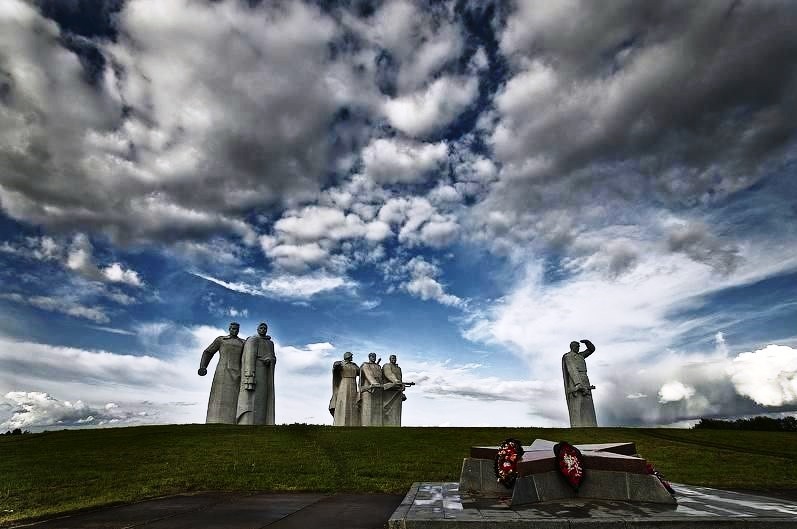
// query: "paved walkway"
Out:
[219,510]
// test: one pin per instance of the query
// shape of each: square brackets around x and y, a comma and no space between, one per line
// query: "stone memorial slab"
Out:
[446,506]
[611,473]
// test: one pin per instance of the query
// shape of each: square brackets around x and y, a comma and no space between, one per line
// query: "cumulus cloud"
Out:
[401,161]
[77,256]
[420,222]
[675,391]
[431,109]
[596,87]
[413,42]
[33,409]
[168,145]
[767,376]
[422,282]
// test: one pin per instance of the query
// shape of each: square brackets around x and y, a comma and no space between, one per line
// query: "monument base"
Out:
[444,506]
[478,478]
[611,473]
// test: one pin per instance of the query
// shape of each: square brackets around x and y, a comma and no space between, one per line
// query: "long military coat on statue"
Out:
[223,399]
[579,401]
[256,406]
[371,411]
[392,394]
[343,404]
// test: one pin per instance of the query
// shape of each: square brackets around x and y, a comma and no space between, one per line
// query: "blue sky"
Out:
[467,185]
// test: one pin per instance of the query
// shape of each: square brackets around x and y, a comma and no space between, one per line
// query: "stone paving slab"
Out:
[225,510]
[441,506]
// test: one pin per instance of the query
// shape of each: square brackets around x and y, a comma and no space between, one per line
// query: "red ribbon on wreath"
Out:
[651,470]
[510,452]
[570,463]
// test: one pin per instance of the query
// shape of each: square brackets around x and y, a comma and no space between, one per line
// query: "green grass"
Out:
[56,472]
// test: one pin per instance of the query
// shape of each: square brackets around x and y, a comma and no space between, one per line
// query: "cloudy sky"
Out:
[469,185]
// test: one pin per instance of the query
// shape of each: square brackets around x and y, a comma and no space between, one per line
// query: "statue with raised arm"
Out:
[223,400]
[343,404]
[256,396]
[371,392]
[578,390]
[393,392]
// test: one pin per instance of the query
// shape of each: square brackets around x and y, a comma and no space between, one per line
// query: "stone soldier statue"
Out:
[343,404]
[223,399]
[256,397]
[371,392]
[393,392]
[578,390]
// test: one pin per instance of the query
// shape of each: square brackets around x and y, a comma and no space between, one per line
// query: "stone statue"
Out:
[578,390]
[223,399]
[393,392]
[370,401]
[256,397]
[343,404]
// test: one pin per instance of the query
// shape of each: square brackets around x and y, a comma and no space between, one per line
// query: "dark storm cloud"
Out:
[695,241]
[683,100]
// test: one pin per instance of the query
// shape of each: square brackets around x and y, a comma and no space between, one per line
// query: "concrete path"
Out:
[219,510]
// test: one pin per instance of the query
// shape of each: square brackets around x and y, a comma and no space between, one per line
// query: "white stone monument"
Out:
[223,401]
[578,390]
[256,396]
[343,404]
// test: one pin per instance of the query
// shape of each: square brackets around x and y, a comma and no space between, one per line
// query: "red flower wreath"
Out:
[509,455]
[570,463]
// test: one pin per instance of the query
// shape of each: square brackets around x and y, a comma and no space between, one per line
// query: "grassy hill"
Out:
[56,472]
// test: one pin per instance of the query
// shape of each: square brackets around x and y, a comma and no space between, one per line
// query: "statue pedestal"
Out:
[612,471]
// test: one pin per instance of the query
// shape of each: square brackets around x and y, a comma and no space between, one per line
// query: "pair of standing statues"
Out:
[378,399]
[243,384]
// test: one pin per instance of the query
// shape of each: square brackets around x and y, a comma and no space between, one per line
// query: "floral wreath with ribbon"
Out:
[510,452]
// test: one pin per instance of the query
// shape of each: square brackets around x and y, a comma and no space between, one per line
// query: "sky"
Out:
[469,185]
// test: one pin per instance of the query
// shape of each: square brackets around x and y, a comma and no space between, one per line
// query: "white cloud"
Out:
[294,257]
[67,306]
[40,248]
[675,391]
[422,283]
[116,274]
[38,410]
[80,258]
[243,288]
[190,156]
[420,40]
[390,161]
[420,222]
[425,111]
[288,286]
[768,376]
[304,287]
[312,358]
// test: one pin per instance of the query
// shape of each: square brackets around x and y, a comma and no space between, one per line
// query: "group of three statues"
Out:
[378,399]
